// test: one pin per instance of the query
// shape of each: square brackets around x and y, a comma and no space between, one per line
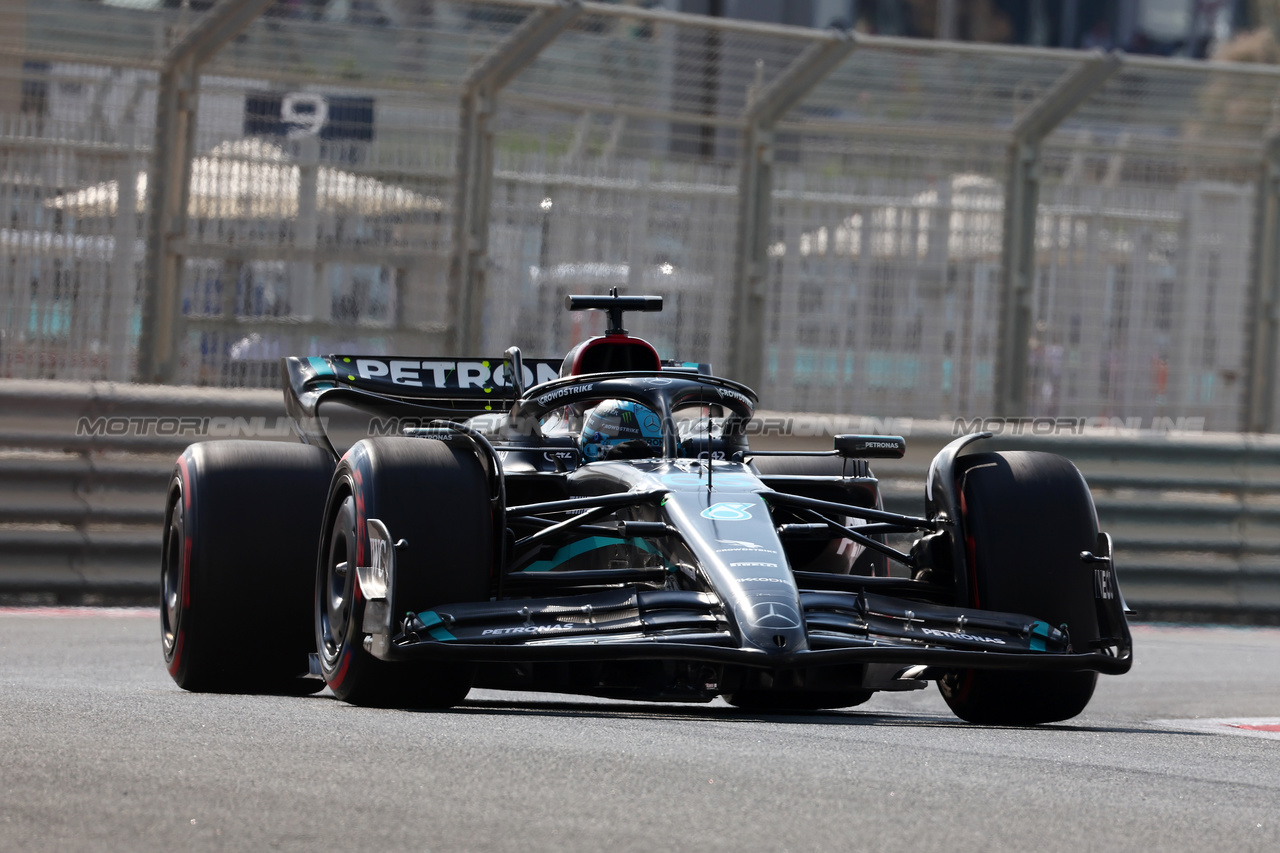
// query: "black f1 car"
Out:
[599,525]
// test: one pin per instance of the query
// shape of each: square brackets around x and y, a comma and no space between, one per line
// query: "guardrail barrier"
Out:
[84,467]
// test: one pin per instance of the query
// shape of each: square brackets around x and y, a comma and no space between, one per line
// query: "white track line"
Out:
[1264,727]
[80,612]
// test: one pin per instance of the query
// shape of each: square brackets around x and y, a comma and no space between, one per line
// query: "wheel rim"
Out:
[335,588]
[171,579]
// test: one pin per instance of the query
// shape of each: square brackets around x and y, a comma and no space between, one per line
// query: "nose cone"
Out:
[773,624]
[732,535]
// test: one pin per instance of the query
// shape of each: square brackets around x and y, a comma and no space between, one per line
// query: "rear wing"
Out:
[429,378]
[436,387]
[431,387]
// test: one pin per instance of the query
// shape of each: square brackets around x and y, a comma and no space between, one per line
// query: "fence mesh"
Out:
[323,188]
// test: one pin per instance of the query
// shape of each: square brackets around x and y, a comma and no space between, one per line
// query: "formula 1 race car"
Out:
[599,525]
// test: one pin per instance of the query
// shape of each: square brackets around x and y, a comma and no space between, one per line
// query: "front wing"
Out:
[841,628]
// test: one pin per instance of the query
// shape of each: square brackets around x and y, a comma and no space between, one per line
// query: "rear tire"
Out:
[436,497]
[243,520]
[1027,516]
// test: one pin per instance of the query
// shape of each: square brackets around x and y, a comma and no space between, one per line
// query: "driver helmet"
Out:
[613,422]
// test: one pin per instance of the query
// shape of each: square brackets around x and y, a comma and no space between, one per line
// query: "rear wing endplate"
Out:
[437,387]
[431,378]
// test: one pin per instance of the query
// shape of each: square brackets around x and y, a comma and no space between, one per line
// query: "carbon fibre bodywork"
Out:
[674,577]
[729,597]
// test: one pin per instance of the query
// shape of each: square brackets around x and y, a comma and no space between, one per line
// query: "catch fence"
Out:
[853,224]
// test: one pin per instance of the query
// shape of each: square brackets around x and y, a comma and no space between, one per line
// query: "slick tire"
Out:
[435,496]
[237,565]
[1026,517]
[824,556]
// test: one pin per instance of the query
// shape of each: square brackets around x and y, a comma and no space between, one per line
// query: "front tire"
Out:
[436,497]
[1026,516]
[243,520]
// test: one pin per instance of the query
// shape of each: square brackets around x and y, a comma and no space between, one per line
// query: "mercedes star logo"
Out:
[772,614]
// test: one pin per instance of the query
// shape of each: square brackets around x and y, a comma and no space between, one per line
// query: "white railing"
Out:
[84,469]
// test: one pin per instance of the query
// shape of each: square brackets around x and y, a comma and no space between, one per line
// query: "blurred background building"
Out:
[1192,28]
[322,213]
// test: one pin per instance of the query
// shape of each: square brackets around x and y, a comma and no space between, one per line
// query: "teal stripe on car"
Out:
[435,626]
[582,546]
[321,366]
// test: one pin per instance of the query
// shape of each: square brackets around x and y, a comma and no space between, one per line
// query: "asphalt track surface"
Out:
[100,751]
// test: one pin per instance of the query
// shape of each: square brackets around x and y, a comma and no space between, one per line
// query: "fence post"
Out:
[474,176]
[124,273]
[1264,294]
[1021,202]
[169,179]
[755,193]
[309,288]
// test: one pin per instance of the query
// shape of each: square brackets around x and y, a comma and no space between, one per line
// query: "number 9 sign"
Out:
[304,112]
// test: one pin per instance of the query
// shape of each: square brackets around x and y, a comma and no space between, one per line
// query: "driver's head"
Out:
[616,422]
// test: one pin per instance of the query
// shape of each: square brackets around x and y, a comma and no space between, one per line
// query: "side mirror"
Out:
[871,446]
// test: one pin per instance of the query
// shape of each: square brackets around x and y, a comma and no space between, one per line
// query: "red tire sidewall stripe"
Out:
[175,665]
[348,651]
[341,674]
[186,540]
[970,554]
[177,653]
[360,516]
[971,557]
